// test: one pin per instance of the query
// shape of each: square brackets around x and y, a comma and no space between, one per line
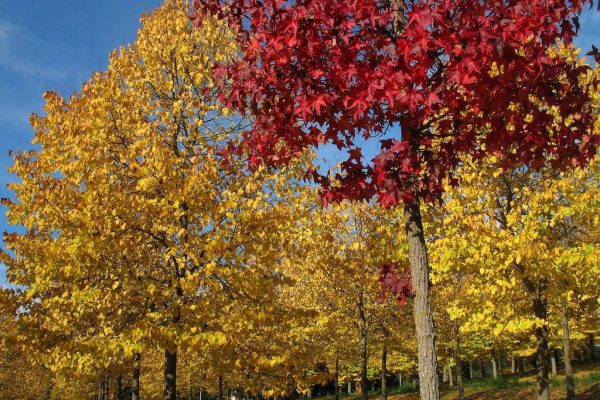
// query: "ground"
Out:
[587,381]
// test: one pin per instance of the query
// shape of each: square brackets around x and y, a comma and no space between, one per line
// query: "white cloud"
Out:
[23,52]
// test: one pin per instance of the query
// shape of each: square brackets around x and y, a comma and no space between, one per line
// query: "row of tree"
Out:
[151,263]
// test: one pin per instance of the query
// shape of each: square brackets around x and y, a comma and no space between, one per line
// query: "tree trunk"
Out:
[423,314]
[384,394]
[513,364]
[337,379]
[494,368]
[170,376]
[106,387]
[569,379]
[400,380]
[591,347]
[459,370]
[471,373]
[135,378]
[540,307]
[220,388]
[450,376]
[553,364]
[118,387]
[364,381]
[349,387]
[482,369]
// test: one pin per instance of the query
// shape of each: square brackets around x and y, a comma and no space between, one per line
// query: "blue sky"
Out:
[56,45]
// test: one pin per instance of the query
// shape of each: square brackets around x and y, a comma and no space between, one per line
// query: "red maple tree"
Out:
[455,76]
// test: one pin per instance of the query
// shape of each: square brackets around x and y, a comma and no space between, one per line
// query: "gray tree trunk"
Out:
[221,388]
[553,364]
[540,307]
[135,378]
[566,339]
[494,368]
[422,309]
[118,387]
[471,373]
[513,364]
[591,347]
[457,358]
[170,375]
[337,379]
[364,380]
[384,393]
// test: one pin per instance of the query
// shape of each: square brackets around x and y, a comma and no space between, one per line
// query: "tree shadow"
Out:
[591,393]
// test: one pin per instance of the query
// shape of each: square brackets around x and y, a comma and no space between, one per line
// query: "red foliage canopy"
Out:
[457,76]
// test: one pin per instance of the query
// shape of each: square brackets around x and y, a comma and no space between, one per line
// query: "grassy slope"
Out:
[587,381]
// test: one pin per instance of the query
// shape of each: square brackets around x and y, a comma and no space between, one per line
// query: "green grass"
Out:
[506,387]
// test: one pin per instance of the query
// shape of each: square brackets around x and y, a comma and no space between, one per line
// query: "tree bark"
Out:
[553,363]
[459,370]
[170,376]
[337,379]
[220,388]
[591,347]
[118,387]
[384,393]
[135,378]
[471,373]
[569,379]
[364,381]
[513,364]
[422,309]
[106,387]
[540,307]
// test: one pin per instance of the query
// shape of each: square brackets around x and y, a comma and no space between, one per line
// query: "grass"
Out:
[507,387]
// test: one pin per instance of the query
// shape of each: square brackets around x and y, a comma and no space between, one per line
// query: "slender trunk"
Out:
[482,369]
[459,370]
[135,378]
[540,307]
[118,387]
[423,314]
[553,363]
[170,376]
[220,388]
[494,368]
[471,373]
[106,387]
[591,346]
[570,380]
[364,382]
[337,379]
[349,387]
[384,393]
[450,376]
[513,364]
[400,380]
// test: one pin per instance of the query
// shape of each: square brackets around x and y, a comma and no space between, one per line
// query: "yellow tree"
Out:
[136,235]
[527,240]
